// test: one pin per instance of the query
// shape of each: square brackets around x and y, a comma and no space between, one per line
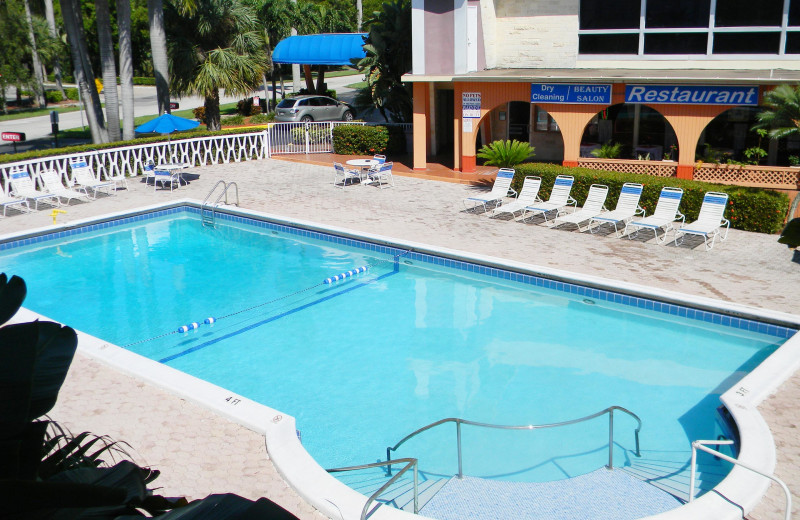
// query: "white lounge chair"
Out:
[382,175]
[22,186]
[166,176]
[594,205]
[52,183]
[663,217]
[710,220]
[529,194]
[627,207]
[341,175]
[7,201]
[118,180]
[148,171]
[500,190]
[84,180]
[559,199]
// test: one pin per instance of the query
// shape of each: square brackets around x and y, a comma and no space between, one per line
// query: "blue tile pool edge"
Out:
[774,329]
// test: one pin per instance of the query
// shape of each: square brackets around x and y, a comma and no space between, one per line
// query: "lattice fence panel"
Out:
[749,175]
[654,168]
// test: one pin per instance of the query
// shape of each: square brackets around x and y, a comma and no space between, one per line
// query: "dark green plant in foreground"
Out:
[505,154]
[608,150]
[791,234]
[56,475]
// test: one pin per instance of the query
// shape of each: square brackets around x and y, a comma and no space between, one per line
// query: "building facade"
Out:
[669,79]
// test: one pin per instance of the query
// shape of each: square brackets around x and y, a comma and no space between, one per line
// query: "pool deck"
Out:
[200,453]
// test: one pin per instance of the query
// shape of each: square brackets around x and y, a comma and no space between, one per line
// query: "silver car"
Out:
[312,108]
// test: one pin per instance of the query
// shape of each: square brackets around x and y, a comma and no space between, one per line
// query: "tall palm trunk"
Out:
[83,70]
[212,110]
[51,23]
[109,68]
[360,10]
[125,66]
[37,64]
[158,47]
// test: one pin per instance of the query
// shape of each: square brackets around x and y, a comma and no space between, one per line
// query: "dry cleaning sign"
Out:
[572,94]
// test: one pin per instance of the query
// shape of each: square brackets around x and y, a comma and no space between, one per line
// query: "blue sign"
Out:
[691,95]
[570,94]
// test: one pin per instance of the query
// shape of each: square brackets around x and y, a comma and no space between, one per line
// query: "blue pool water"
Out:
[362,363]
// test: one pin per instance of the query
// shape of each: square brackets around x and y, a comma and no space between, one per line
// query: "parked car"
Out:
[313,108]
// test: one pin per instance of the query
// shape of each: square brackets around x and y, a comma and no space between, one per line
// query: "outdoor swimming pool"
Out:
[363,362]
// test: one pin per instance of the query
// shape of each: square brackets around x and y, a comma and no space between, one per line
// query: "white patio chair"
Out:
[500,190]
[558,201]
[529,194]
[52,184]
[83,179]
[166,176]
[627,208]
[710,220]
[7,201]
[382,175]
[340,173]
[23,186]
[148,171]
[663,217]
[594,205]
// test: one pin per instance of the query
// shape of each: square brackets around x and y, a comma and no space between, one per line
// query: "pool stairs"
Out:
[208,210]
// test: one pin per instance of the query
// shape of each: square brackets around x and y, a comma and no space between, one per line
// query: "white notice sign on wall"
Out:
[466,125]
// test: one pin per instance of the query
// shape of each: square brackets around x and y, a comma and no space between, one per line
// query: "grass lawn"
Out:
[25,113]
[358,86]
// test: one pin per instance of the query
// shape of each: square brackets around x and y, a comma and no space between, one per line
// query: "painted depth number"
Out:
[742,391]
[233,401]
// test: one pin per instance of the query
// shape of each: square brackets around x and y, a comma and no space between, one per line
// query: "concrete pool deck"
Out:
[200,453]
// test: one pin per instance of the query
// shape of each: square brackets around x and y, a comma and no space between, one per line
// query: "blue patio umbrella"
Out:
[166,124]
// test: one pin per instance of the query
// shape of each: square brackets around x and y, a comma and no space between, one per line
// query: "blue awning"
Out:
[320,49]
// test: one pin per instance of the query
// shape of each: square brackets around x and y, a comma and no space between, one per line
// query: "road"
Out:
[37,129]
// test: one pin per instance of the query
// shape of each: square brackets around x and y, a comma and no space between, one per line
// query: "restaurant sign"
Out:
[570,94]
[691,95]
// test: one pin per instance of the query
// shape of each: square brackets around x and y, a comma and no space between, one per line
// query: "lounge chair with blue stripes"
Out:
[83,179]
[594,205]
[529,194]
[23,186]
[665,215]
[7,201]
[627,208]
[558,201]
[500,190]
[710,220]
[52,183]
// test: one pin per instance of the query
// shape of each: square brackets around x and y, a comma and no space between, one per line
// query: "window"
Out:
[544,122]
[683,28]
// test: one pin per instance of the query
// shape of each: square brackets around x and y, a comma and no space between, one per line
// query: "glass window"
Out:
[794,13]
[793,43]
[674,43]
[608,44]
[286,103]
[677,13]
[544,123]
[748,13]
[746,43]
[610,14]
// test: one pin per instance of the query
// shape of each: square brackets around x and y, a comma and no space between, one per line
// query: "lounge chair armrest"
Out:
[680,216]
[512,191]
[572,202]
[640,211]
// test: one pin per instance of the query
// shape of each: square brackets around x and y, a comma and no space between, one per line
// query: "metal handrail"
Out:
[410,463]
[702,445]
[226,186]
[459,422]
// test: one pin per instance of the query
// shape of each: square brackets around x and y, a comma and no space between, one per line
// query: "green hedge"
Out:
[360,139]
[750,209]
[137,80]
[83,148]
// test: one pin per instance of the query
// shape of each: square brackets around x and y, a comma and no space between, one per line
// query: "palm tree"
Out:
[70,11]
[37,63]
[109,69]
[158,48]
[51,24]
[782,113]
[219,46]
[125,67]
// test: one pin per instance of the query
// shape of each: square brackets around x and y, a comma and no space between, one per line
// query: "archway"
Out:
[643,132]
[524,122]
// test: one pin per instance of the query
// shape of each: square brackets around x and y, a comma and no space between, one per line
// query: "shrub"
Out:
[360,139]
[245,107]
[262,118]
[200,113]
[608,150]
[749,209]
[139,80]
[53,96]
[72,93]
[304,91]
[232,120]
[316,134]
[505,154]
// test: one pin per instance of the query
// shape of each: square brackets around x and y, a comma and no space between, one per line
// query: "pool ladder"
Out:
[208,211]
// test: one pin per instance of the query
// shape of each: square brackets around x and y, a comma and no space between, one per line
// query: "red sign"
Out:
[12,136]
[256,100]
[174,106]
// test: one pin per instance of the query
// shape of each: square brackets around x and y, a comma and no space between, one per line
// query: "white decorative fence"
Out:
[277,138]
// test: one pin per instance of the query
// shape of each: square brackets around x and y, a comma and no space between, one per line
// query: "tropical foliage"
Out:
[608,150]
[781,116]
[505,154]
[388,57]
[218,46]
